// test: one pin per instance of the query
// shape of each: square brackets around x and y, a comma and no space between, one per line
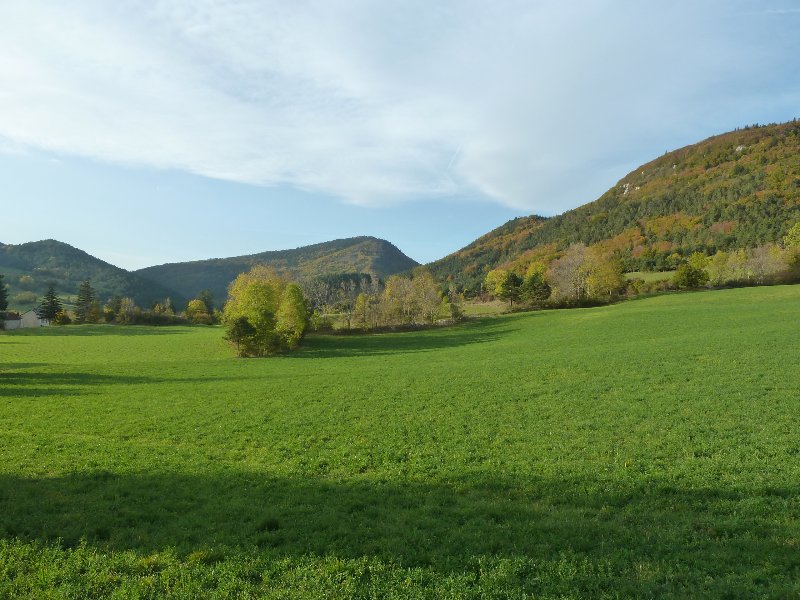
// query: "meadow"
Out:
[650,276]
[645,449]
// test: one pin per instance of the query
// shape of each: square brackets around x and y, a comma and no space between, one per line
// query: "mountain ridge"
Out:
[361,254]
[733,190]
[31,266]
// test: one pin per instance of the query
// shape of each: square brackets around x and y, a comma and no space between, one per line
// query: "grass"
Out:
[647,449]
[485,309]
[651,276]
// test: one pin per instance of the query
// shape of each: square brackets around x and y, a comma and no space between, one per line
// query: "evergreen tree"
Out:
[509,288]
[240,332]
[84,305]
[455,303]
[3,295]
[50,306]
[535,288]
[208,299]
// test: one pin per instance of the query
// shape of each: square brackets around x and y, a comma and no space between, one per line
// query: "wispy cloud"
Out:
[536,105]
[10,148]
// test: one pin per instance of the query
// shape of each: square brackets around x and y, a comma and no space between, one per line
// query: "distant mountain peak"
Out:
[362,254]
[32,266]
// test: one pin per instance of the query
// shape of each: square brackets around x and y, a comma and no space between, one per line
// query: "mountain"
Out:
[736,190]
[30,268]
[352,255]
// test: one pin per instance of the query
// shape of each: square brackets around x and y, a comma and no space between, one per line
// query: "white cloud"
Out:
[10,148]
[539,106]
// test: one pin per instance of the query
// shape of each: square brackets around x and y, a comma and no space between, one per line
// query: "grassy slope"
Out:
[650,276]
[642,449]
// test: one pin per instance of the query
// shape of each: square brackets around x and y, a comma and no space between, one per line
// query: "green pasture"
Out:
[651,276]
[648,449]
[485,309]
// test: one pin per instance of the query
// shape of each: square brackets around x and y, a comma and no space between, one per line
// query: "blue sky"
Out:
[154,132]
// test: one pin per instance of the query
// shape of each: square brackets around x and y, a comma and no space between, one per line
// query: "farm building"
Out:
[12,321]
[31,319]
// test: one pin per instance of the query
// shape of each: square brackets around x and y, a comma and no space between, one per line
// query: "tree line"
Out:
[770,263]
[117,309]
[266,313]
[367,303]
[581,275]
[586,275]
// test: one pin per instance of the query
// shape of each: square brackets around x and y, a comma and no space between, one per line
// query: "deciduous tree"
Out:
[494,280]
[127,312]
[397,303]
[765,263]
[197,312]
[256,295]
[275,309]
[427,297]
[718,269]
[605,276]
[292,317]
[569,274]
[792,239]
[348,292]
[688,276]
[362,311]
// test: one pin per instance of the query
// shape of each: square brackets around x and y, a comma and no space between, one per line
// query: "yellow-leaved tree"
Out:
[264,313]
[291,320]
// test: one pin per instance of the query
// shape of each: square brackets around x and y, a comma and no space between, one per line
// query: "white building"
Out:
[12,322]
[30,319]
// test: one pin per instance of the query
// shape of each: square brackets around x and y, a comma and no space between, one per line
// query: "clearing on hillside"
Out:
[646,449]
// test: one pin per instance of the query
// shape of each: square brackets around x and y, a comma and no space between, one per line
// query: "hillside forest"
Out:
[736,191]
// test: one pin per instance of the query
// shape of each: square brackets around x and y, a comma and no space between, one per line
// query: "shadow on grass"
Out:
[710,532]
[32,384]
[98,330]
[20,365]
[368,344]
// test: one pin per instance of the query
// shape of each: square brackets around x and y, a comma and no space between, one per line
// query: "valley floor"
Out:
[646,449]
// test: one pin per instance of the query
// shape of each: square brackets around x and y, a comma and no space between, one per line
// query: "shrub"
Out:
[62,318]
[687,276]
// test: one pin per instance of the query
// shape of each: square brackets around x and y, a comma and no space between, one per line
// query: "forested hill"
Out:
[29,268]
[735,190]
[352,255]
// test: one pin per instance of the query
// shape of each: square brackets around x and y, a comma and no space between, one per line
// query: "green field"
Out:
[646,449]
[651,276]
[485,309]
